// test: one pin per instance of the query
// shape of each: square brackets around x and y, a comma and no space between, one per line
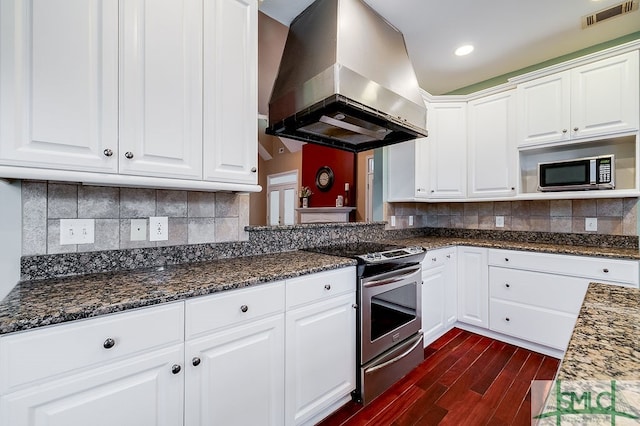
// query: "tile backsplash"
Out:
[616,216]
[194,217]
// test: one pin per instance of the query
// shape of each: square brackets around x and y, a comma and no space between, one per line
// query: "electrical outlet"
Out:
[499,221]
[158,228]
[411,220]
[392,220]
[77,231]
[591,224]
[138,229]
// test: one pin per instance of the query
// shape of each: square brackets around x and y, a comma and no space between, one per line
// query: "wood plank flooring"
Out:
[466,379]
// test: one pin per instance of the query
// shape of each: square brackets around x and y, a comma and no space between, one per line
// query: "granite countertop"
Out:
[432,243]
[34,304]
[605,343]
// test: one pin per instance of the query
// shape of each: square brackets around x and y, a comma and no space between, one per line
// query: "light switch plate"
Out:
[591,224]
[77,231]
[138,229]
[158,228]
[411,220]
[499,221]
[392,220]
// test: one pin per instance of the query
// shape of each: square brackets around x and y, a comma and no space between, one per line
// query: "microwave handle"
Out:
[593,165]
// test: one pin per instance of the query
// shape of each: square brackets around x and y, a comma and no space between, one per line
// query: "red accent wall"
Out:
[342,163]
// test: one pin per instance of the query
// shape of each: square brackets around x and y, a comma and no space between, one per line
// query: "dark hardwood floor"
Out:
[466,379]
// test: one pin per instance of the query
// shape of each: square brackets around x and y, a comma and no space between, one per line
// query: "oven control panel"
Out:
[398,253]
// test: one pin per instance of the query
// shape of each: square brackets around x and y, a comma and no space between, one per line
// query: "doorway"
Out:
[368,215]
[282,198]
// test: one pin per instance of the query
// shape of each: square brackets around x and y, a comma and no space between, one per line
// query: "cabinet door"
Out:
[544,113]
[451,287]
[230,91]
[433,303]
[473,286]
[320,353]
[161,88]
[59,84]
[407,170]
[604,96]
[491,146]
[236,376]
[447,157]
[140,391]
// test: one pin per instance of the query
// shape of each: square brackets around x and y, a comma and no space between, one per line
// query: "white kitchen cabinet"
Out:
[473,286]
[161,88]
[123,368]
[231,90]
[491,146]
[408,170]
[439,293]
[59,84]
[595,99]
[320,371]
[447,156]
[234,357]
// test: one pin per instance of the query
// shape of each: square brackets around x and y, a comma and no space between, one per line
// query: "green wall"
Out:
[503,78]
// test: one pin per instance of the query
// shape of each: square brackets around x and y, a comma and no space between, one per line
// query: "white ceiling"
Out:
[508,34]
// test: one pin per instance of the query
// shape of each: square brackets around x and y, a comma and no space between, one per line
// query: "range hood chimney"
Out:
[346,81]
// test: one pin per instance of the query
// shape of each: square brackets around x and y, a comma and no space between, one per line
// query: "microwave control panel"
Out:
[604,170]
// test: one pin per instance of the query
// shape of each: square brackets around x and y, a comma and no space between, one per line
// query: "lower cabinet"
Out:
[473,286]
[320,371]
[439,293]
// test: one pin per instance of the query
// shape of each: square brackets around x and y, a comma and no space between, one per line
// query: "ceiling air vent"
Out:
[610,12]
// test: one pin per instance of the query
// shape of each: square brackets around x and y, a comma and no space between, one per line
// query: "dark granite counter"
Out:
[605,343]
[33,304]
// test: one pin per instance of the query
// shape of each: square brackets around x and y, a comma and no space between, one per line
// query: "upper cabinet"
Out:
[447,159]
[130,89]
[599,98]
[491,148]
[407,170]
[59,84]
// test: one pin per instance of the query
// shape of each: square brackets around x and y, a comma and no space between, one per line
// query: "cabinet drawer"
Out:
[596,269]
[536,325]
[51,351]
[204,314]
[320,286]
[555,292]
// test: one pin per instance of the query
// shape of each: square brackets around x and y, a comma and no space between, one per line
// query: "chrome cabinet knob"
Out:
[507,285]
[564,130]
[244,308]
[107,152]
[128,155]
[507,319]
[448,256]
[253,170]
[434,259]
[327,286]
[195,361]
[575,129]
[354,306]
[605,270]
[109,343]
[506,259]
[175,368]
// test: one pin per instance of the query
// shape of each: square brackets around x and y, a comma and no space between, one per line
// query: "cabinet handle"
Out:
[109,343]
[507,319]
[575,129]
[513,188]
[244,308]
[195,361]
[433,190]
[448,256]
[605,270]
[107,152]
[253,170]
[507,285]
[354,306]
[327,286]
[564,130]
[506,259]
[128,155]
[434,259]
[175,369]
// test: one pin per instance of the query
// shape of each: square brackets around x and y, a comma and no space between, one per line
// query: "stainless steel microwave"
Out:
[577,174]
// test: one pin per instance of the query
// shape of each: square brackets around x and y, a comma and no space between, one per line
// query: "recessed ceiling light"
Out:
[464,50]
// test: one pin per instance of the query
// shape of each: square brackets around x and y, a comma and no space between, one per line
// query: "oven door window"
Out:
[393,309]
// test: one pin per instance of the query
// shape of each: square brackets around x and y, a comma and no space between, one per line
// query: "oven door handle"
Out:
[396,359]
[392,279]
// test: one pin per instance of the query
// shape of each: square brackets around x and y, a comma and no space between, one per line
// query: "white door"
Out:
[320,353]
[544,111]
[604,96]
[369,192]
[230,91]
[59,84]
[161,88]
[236,376]
[447,156]
[491,146]
[282,198]
[473,286]
[141,391]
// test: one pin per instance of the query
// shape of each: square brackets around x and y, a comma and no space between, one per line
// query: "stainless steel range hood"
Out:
[346,81]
